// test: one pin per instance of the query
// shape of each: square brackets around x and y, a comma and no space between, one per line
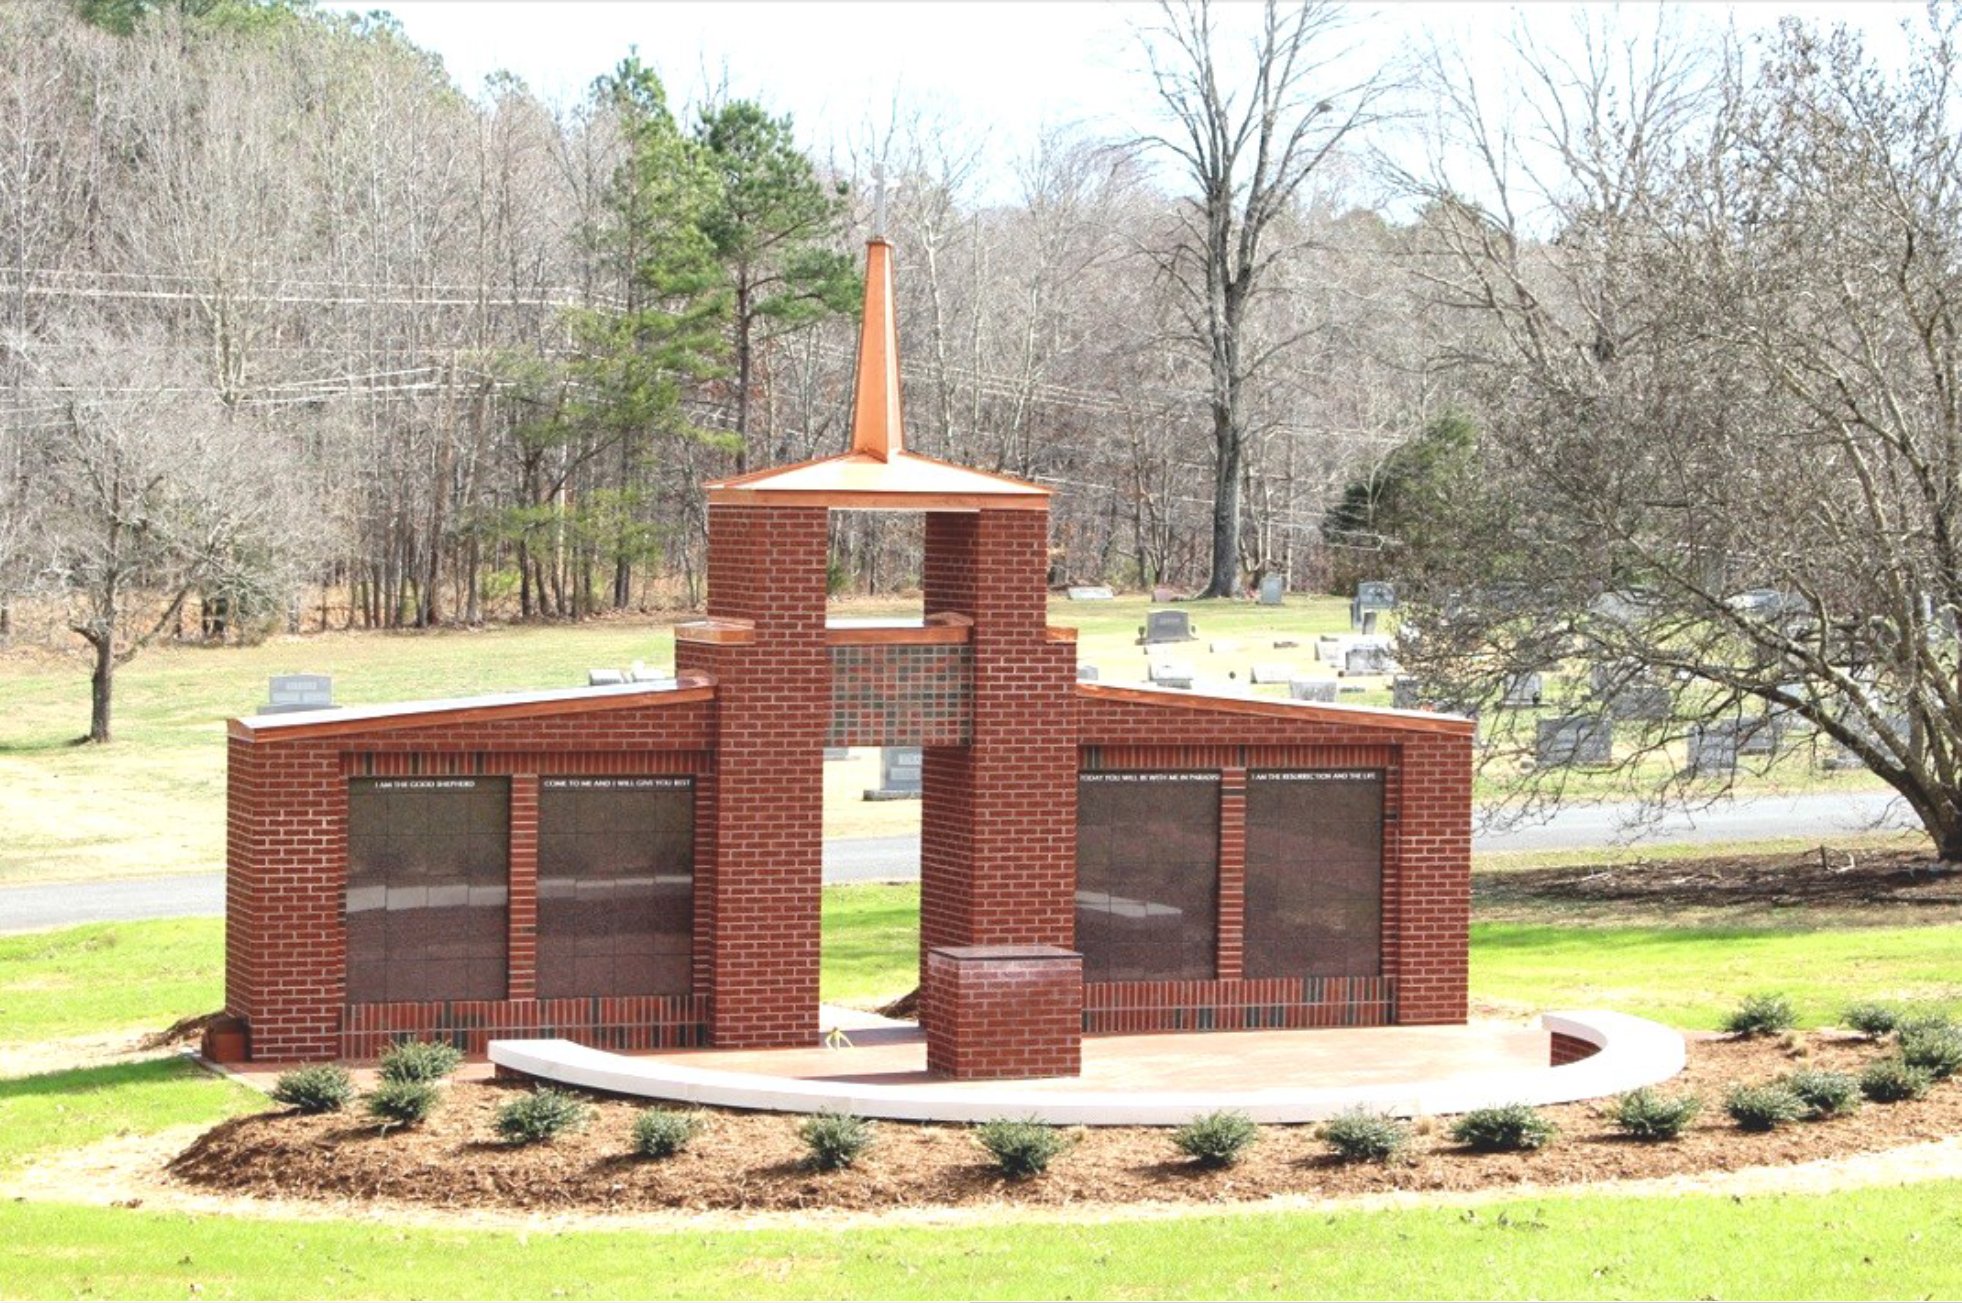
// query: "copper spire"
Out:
[877,428]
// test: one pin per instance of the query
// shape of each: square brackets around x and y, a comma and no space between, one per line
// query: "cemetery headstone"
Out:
[1405,692]
[1272,589]
[1219,645]
[286,693]
[1368,659]
[1165,626]
[1271,673]
[1523,690]
[604,678]
[1371,595]
[1585,740]
[899,774]
[1091,593]
[837,753]
[1369,621]
[1170,674]
[1330,648]
[1322,690]
[1086,674]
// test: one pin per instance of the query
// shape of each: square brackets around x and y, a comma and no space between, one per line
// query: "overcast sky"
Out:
[1006,67]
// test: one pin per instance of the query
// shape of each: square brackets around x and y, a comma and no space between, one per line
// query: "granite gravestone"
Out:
[899,774]
[1091,593]
[1583,740]
[1371,595]
[1368,659]
[1271,672]
[1272,589]
[290,692]
[1086,674]
[1165,626]
[1322,690]
[605,678]
[1522,690]
[1170,674]
[1405,692]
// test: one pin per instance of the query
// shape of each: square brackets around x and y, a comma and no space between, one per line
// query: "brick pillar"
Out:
[285,880]
[998,834]
[1232,875]
[521,977]
[1003,1011]
[1432,911]
[763,876]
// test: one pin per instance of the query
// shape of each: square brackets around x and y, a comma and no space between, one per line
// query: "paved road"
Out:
[874,859]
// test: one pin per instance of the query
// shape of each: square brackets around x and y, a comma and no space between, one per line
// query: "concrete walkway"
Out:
[1147,1080]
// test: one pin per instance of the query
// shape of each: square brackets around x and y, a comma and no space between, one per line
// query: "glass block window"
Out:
[428,871]
[616,886]
[1314,873]
[1147,875]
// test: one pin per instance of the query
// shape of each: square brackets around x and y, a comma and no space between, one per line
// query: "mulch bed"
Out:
[1827,877]
[754,1161]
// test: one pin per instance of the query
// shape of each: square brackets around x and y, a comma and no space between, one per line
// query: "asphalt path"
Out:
[897,859]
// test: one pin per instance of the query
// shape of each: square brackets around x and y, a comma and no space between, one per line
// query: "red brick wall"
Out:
[1003,1011]
[767,565]
[896,695]
[1426,859]
[286,869]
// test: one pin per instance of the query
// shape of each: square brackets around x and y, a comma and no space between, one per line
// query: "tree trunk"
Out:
[102,686]
[1225,581]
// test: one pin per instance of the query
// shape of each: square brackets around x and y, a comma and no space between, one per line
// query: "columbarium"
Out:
[636,866]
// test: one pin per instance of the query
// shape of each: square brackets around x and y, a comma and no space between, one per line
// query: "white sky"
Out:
[1003,67]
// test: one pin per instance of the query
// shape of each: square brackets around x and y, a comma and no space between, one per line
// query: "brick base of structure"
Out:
[1003,1011]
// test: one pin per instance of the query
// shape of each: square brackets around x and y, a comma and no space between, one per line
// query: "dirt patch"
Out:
[34,1058]
[754,1161]
[1830,885]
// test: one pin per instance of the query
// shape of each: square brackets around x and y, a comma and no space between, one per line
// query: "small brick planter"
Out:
[1003,1011]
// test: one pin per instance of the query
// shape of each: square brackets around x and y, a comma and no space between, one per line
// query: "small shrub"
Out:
[1217,1139]
[1761,1015]
[1825,1094]
[1362,1136]
[540,1115]
[659,1133]
[1934,1046]
[1893,1079]
[1763,1108]
[402,1103]
[322,1088]
[835,1139]
[1508,1127]
[1649,1115]
[1871,1018]
[419,1061]
[1021,1149]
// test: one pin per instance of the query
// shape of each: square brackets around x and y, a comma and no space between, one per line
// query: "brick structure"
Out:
[1093,858]
[1003,1011]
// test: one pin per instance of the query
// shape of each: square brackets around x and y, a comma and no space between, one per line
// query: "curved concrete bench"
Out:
[1630,1052]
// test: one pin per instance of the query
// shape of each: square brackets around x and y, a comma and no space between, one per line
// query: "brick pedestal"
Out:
[1003,1011]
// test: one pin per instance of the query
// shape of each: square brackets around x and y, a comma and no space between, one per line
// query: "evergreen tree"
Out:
[773,226]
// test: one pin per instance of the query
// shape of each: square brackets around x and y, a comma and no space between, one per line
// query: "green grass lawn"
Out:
[1866,1243]
[1876,1243]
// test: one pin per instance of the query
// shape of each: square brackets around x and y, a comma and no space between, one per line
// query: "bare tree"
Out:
[1247,148]
[149,496]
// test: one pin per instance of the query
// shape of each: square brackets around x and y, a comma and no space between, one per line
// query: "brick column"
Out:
[1003,1011]
[1232,874]
[521,977]
[1432,912]
[285,883]
[998,835]
[773,698]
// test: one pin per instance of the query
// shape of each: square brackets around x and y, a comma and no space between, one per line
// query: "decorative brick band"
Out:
[901,695]
[640,1022]
[1239,1005]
